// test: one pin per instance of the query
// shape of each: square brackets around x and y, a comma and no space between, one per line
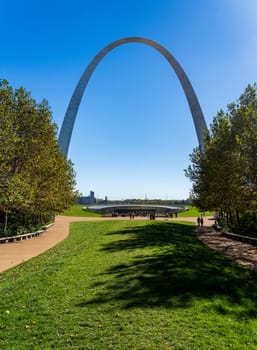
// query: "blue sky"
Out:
[134,131]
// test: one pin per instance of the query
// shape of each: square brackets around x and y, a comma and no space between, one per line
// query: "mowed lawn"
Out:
[129,285]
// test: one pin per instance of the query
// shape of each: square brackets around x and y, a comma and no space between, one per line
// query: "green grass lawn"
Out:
[77,210]
[129,285]
[193,212]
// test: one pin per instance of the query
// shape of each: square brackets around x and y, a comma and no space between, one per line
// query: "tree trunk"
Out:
[238,220]
[5,220]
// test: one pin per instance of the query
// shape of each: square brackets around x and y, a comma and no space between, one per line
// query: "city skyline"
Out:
[134,131]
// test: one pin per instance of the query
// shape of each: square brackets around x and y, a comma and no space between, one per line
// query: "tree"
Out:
[224,177]
[36,180]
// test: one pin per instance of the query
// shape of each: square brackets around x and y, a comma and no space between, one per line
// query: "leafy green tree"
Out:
[36,180]
[224,177]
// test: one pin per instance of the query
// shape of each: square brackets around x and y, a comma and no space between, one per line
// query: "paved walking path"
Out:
[243,253]
[12,254]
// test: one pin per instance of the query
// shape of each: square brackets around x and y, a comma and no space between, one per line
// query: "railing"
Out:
[241,238]
[12,239]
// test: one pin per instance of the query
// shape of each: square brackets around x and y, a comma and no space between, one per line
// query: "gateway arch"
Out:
[71,113]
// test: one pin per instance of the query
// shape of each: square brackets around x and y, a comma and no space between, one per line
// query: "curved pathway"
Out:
[12,254]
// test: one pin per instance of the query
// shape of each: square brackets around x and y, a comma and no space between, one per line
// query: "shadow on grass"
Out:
[175,271]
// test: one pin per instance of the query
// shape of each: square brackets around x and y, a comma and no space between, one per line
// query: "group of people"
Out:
[151,216]
[200,221]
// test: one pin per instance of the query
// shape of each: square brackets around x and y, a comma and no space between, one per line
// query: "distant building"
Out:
[88,200]
[136,209]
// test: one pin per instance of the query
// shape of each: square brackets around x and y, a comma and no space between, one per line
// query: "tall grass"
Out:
[129,285]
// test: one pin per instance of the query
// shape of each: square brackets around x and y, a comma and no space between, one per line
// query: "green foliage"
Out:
[224,177]
[181,202]
[129,285]
[36,180]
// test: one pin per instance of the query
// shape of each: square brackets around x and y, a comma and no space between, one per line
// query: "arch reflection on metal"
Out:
[70,116]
